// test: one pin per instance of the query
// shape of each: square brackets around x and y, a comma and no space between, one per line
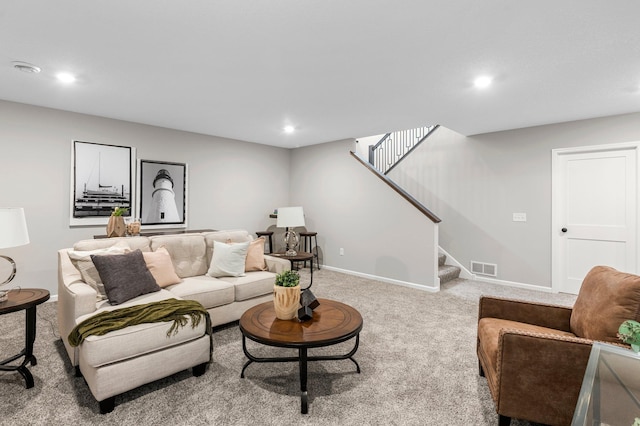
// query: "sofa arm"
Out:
[75,297]
[540,375]
[277,264]
[543,315]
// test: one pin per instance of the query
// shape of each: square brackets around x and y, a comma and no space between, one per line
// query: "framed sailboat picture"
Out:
[101,180]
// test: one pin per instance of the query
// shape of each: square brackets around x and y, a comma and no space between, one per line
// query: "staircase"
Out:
[395,146]
[446,272]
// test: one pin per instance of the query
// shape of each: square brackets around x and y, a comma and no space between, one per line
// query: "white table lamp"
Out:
[289,217]
[13,233]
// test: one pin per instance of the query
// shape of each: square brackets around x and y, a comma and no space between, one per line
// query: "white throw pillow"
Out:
[82,261]
[228,259]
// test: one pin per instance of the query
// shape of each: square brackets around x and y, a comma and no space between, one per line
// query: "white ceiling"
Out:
[334,69]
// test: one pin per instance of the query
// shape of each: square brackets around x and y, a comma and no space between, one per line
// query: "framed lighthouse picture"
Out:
[162,194]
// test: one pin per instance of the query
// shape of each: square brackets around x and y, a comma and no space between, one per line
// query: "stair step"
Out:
[447,273]
[441,259]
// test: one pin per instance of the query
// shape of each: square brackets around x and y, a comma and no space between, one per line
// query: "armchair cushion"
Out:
[607,298]
[490,329]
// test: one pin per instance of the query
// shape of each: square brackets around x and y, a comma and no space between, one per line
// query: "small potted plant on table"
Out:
[286,295]
[116,226]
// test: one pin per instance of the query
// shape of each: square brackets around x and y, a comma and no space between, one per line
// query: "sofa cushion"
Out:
[138,339]
[81,259]
[252,285]
[210,292]
[255,256]
[161,267]
[142,243]
[124,276]
[607,298]
[188,253]
[228,259]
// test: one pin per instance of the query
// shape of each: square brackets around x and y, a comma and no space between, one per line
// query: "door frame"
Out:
[556,220]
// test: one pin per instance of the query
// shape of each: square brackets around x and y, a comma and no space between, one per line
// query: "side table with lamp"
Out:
[13,233]
[288,218]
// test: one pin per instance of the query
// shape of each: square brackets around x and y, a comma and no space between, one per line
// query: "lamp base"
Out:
[13,267]
[291,240]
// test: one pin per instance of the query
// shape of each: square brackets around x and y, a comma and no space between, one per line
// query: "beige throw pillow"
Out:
[161,267]
[255,256]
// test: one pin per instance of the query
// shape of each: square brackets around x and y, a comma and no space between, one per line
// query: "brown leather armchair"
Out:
[534,355]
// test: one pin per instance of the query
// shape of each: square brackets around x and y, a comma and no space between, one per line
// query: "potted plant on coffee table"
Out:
[286,295]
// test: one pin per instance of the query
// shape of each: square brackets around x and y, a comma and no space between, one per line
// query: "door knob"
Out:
[564,229]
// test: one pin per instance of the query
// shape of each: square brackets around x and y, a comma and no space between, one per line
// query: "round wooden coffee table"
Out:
[24,299]
[333,322]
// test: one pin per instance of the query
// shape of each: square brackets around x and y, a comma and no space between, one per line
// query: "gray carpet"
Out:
[417,354]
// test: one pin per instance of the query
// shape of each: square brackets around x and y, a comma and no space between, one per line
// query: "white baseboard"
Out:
[386,280]
[477,277]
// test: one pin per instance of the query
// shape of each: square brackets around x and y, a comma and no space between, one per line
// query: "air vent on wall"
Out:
[490,269]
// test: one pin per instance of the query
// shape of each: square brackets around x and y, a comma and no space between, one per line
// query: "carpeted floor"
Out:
[417,355]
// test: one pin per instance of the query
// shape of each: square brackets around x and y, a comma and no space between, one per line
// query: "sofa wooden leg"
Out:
[503,420]
[107,405]
[199,369]
[480,369]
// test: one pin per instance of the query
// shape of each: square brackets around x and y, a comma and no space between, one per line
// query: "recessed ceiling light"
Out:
[26,67]
[65,77]
[482,82]
[289,129]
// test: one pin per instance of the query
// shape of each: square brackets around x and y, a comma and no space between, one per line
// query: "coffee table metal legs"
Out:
[27,352]
[302,360]
[304,397]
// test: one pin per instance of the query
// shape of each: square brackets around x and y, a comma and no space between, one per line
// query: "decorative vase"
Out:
[116,227]
[286,301]
[133,228]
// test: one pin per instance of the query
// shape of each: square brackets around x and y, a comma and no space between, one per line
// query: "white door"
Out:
[595,214]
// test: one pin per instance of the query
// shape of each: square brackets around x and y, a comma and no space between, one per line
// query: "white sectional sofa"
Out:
[124,359]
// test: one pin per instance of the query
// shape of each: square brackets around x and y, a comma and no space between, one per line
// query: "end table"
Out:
[301,256]
[24,299]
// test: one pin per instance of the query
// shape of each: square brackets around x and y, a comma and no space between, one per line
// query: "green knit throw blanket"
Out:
[178,311]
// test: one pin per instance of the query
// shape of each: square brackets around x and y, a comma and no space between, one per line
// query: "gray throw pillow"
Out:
[124,276]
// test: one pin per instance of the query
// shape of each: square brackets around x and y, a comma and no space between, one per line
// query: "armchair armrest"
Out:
[277,264]
[540,370]
[543,315]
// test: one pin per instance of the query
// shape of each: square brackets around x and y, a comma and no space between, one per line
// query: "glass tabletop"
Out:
[610,392]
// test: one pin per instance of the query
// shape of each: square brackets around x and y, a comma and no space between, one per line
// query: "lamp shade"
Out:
[288,217]
[13,228]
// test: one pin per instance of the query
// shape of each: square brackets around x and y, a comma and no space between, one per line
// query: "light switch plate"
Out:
[519,217]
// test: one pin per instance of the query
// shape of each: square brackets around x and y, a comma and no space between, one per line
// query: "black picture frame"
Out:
[101,179]
[162,194]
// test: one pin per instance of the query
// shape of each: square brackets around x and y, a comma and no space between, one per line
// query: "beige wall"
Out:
[475,184]
[232,184]
[381,233]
